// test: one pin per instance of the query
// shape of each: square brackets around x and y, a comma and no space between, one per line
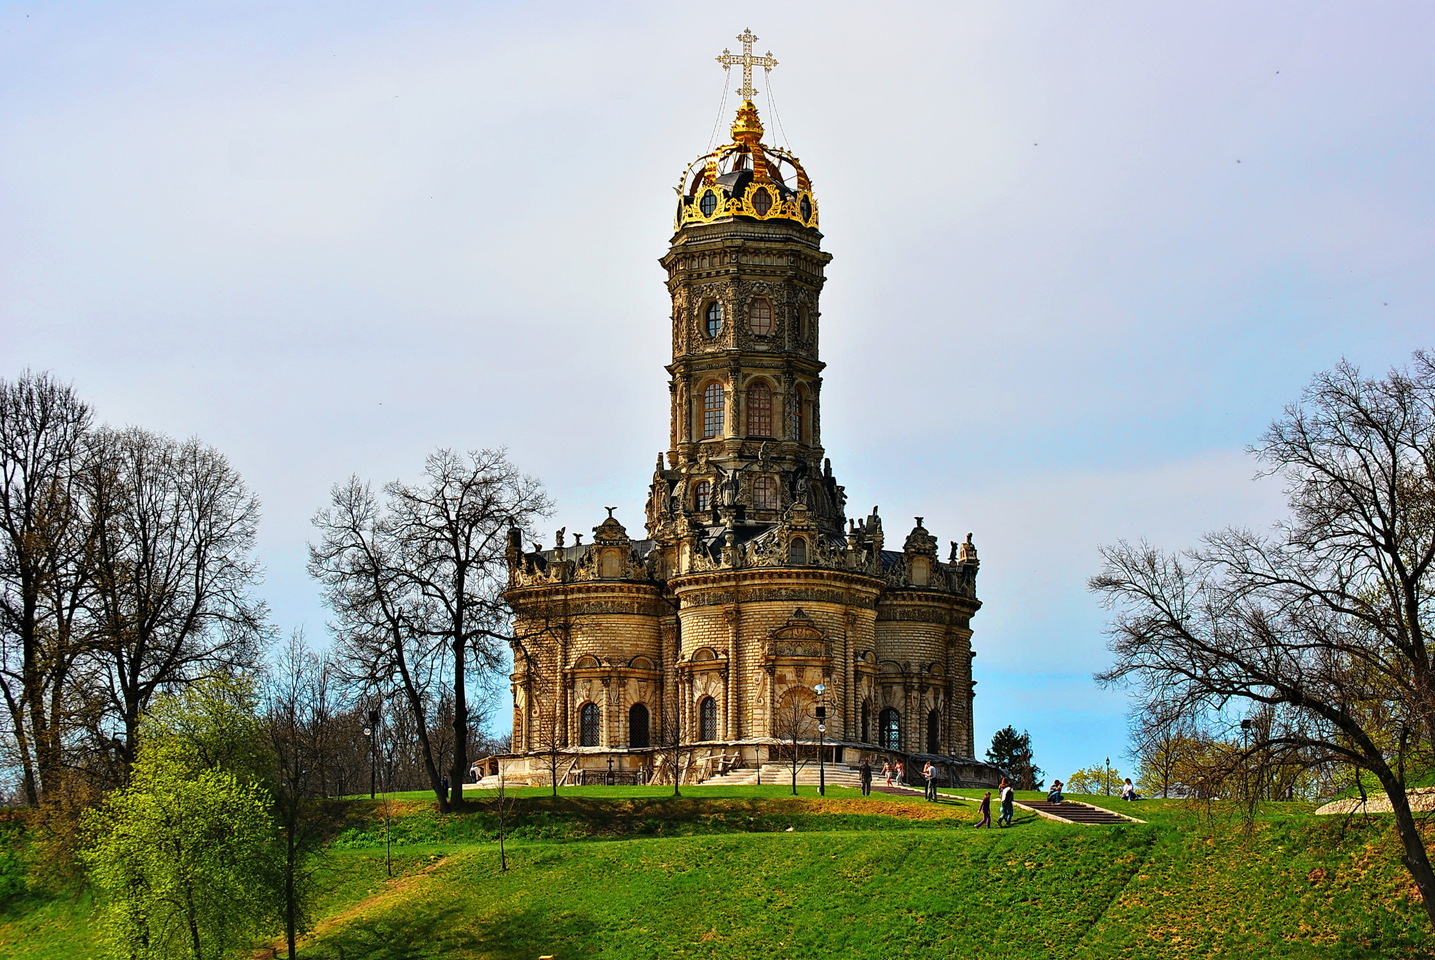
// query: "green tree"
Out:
[1097,778]
[1012,752]
[187,858]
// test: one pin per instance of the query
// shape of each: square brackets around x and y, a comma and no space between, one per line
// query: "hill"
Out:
[750,873]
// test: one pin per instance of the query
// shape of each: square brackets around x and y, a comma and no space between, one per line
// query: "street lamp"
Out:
[373,732]
[1108,776]
[821,729]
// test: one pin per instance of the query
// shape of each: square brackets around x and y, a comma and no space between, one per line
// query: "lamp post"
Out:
[1108,776]
[821,753]
[373,733]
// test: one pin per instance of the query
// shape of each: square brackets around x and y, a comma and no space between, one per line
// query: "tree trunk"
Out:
[1416,858]
[459,772]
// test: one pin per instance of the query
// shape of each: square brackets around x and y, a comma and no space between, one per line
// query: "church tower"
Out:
[745,271]
[754,609]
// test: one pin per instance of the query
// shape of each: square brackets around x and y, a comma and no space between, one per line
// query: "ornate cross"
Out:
[748,61]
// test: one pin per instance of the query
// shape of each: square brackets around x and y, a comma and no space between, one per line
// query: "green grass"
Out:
[753,872]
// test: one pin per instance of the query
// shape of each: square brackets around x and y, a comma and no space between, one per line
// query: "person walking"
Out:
[929,774]
[986,811]
[887,771]
[1008,803]
[899,770]
[866,772]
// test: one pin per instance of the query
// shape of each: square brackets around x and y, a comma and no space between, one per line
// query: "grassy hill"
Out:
[748,872]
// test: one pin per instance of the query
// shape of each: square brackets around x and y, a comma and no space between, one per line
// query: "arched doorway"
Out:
[890,722]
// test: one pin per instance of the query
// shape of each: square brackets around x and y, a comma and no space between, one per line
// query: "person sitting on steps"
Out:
[1055,795]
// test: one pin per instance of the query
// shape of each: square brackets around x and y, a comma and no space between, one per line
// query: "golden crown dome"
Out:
[746,178]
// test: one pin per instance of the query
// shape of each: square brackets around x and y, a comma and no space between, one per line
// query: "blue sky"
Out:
[1083,253]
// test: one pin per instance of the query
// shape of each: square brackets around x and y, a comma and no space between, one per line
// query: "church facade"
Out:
[751,600]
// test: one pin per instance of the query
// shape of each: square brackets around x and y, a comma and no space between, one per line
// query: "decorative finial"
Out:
[610,511]
[748,61]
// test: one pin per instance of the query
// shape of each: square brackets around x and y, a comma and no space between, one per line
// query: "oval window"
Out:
[714,319]
[708,203]
[760,316]
[806,209]
[762,201]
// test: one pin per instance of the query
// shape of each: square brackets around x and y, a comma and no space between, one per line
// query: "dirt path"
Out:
[392,889]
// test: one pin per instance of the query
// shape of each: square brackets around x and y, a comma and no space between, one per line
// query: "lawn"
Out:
[744,872]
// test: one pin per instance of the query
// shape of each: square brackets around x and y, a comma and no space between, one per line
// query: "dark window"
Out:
[712,410]
[707,719]
[806,208]
[759,410]
[891,723]
[588,725]
[759,316]
[866,722]
[764,493]
[797,550]
[934,732]
[804,323]
[638,726]
[762,201]
[713,317]
[703,496]
[709,203]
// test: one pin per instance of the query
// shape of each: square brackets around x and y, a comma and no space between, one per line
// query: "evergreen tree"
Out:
[1012,752]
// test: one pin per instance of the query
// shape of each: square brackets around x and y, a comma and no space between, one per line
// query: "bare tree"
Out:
[794,723]
[1322,627]
[674,756]
[417,583]
[43,429]
[173,569]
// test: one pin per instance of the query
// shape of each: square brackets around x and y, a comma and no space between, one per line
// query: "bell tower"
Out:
[745,273]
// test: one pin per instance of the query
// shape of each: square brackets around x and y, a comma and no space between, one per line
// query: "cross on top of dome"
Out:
[747,61]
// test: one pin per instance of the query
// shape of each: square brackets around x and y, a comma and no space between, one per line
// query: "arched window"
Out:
[804,322]
[759,410]
[891,723]
[759,316]
[921,571]
[712,319]
[707,719]
[588,725]
[800,414]
[712,410]
[764,493]
[866,722]
[797,550]
[703,496]
[638,726]
[934,732]
[610,564]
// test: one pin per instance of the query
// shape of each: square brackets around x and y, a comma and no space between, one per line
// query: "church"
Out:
[752,608]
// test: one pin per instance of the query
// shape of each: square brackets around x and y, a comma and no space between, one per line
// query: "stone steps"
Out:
[836,774]
[1071,811]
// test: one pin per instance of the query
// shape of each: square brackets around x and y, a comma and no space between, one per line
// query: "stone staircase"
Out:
[837,775]
[1070,811]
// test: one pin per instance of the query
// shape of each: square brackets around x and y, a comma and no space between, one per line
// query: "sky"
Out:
[1083,253]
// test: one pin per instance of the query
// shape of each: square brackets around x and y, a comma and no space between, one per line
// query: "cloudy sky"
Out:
[1083,253]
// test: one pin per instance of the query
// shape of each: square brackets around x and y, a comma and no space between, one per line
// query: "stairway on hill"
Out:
[837,775]
[1074,812]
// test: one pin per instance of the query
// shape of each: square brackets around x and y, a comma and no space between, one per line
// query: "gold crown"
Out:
[746,178]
